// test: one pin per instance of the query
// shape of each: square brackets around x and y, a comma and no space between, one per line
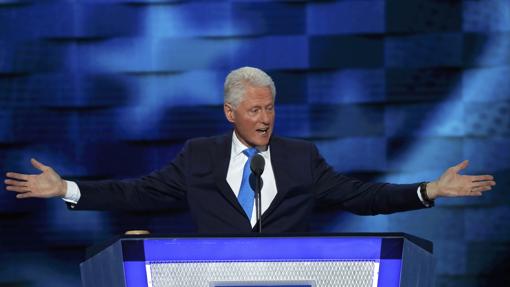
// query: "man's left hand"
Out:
[453,184]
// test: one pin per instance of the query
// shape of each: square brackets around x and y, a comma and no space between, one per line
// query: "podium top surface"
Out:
[393,239]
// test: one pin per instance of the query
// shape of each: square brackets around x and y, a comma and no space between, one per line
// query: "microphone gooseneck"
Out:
[257,168]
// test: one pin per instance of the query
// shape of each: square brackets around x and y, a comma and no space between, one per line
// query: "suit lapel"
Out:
[221,157]
[279,161]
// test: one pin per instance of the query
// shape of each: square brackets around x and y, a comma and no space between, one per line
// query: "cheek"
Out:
[248,121]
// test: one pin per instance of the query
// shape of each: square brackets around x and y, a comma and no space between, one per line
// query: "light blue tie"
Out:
[246,193]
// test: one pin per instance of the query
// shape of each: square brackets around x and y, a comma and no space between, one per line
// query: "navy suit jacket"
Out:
[197,177]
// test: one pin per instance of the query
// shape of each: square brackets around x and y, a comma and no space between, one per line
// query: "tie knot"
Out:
[250,152]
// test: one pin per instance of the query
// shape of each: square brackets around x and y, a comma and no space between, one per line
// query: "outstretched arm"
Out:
[161,189]
[383,198]
[47,184]
[453,184]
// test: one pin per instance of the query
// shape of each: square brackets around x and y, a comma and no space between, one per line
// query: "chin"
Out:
[262,142]
[265,143]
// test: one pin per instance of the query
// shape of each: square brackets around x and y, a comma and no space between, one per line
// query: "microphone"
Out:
[257,168]
[257,165]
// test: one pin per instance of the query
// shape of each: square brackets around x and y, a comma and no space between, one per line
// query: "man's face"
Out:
[253,118]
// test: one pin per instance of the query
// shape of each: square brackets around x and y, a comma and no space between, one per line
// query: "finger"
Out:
[24,195]
[481,177]
[483,183]
[460,166]
[15,182]
[38,165]
[480,189]
[17,188]
[19,176]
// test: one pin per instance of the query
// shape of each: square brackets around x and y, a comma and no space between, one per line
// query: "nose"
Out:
[265,117]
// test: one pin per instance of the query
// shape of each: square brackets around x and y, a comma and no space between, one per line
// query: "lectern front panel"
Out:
[264,261]
[332,260]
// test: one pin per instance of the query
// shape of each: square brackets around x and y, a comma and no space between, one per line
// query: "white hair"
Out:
[237,80]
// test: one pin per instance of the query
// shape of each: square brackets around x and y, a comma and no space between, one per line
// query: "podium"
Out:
[389,259]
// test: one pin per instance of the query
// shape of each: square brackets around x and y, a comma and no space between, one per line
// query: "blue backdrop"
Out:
[394,90]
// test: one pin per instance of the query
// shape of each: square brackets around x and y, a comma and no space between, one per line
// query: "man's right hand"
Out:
[44,185]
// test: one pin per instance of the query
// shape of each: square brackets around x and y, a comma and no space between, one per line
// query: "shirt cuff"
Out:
[425,203]
[73,193]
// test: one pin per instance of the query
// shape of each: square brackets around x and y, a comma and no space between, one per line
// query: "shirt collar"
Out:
[238,147]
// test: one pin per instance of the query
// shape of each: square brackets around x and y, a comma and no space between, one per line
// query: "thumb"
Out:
[461,166]
[38,165]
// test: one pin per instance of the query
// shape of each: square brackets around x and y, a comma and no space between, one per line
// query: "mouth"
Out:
[263,131]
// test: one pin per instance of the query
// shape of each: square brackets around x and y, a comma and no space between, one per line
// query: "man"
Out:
[211,175]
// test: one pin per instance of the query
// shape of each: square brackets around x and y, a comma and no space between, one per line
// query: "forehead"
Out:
[257,96]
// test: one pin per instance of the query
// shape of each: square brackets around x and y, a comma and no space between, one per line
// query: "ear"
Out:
[229,112]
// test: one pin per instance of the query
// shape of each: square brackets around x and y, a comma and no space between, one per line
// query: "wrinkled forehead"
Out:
[257,94]
[247,85]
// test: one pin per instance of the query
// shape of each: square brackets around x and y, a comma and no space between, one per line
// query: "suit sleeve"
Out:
[162,189]
[333,188]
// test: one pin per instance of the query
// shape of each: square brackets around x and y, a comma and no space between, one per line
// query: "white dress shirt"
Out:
[235,175]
